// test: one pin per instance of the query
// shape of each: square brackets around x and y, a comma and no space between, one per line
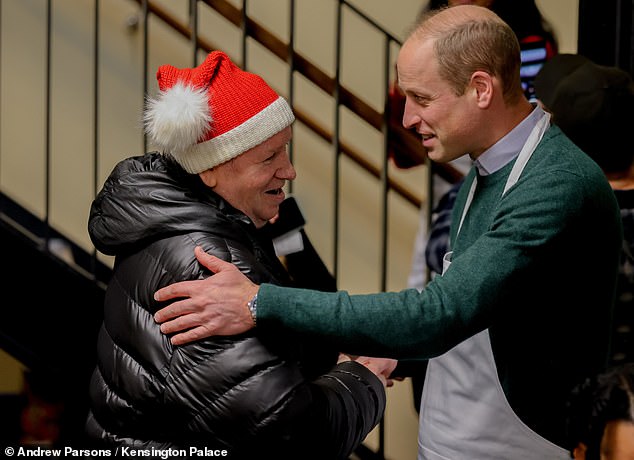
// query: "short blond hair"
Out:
[470,38]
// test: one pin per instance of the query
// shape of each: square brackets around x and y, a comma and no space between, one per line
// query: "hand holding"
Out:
[381,367]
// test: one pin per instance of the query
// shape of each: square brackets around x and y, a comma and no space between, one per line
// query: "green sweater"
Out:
[536,267]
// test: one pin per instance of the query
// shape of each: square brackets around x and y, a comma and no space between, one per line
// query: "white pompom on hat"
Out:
[212,113]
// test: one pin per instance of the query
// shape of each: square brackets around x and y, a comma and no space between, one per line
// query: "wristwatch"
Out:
[253,308]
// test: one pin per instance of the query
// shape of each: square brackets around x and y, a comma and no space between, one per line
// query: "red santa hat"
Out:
[212,113]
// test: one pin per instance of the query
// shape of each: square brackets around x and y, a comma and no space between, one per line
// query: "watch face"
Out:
[253,305]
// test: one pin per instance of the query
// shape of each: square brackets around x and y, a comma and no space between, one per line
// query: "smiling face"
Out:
[252,182]
[443,119]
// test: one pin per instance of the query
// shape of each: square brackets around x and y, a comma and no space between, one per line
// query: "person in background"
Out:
[217,182]
[501,325]
[594,106]
[538,41]
[601,416]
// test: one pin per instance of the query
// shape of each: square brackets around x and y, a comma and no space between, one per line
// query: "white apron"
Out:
[464,413]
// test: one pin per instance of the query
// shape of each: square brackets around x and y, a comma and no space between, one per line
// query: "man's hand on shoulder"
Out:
[217,305]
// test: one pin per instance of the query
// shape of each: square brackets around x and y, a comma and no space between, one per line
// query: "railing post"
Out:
[145,14]
[291,74]
[47,136]
[193,21]
[336,138]
[95,116]
[245,33]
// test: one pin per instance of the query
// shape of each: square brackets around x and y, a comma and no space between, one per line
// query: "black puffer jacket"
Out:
[256,396]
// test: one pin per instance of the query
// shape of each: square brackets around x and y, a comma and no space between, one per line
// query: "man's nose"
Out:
[287,170]
[410,118]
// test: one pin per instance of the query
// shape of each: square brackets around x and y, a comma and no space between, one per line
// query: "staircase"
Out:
[50,315]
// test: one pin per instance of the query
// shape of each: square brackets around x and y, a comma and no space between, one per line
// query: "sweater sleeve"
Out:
[508,255]
[382,324]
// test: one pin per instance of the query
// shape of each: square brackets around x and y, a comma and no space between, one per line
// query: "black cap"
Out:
[592,104]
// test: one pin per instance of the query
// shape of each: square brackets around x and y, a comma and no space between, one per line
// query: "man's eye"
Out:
[275,154]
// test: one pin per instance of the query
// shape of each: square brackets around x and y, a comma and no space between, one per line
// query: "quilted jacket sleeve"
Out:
[333,414]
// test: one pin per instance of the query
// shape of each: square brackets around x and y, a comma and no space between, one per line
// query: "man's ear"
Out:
[483,85]
[208,176]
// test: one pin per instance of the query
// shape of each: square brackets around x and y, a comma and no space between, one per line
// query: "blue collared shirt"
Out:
[508,148]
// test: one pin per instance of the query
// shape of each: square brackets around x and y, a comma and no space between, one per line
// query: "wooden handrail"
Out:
[403,138]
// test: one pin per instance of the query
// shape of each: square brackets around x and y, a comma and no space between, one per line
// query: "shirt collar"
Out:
[506,149]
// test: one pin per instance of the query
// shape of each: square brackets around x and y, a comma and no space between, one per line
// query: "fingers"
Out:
[173,291]
[180,323]
[190,335]
[213,263]
[343,357]
[382,368]
[212,306]
[184,288]
[170,312]
[179,307]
